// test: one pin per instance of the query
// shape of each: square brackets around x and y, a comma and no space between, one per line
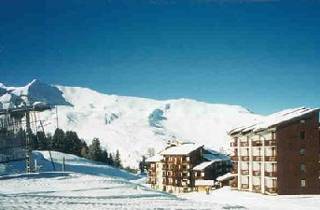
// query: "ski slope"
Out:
[90,185]
[85,185]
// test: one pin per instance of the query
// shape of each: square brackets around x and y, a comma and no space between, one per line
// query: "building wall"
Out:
[290,146]
[177,171]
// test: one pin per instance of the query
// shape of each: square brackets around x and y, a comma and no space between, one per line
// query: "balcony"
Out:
[257,143]
[244,172]
[256,188]
[270,174]
[244,144]
[270,158]
[234,169]
[271,189]
[270,143]
[234,158]
[245,158]
[234,184]
[152,173]
[256,173]
[233,144]
[257,158]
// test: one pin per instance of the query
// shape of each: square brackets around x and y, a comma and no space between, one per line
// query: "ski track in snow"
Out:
[87,192]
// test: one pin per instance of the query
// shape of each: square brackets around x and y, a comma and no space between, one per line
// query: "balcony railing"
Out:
[233,144]
[245,158]
[271,189]
[256,188]
[257,143]
[270,174]
[244,144]
[257,158]
[234,158]
[234,185]
[256,173]
[270,143]
[152,173]
[234,169]
[270,158]
[245,172]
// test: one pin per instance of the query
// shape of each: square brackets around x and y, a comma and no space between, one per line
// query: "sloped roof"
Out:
[274,120]
[155,158]
[210,154]
[183,149]
[205,164]
[226,176]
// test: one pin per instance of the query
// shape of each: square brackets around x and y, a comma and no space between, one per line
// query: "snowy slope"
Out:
[89,185]
[134,125]
[73,163]
[85,185]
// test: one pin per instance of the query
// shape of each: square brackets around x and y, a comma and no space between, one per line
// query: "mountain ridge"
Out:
[136,126]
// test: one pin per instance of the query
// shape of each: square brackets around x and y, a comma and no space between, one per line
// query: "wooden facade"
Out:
[282,159]
[177,171]
[177,167]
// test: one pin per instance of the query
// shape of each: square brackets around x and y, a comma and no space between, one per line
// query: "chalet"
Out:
[177,168]
[185,167]
[279,154]
[206,173]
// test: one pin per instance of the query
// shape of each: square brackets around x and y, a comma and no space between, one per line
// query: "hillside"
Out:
[133,125]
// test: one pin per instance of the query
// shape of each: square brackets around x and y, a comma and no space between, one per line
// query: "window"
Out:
[302,151]
[303,183]
[302,134]
[302,167]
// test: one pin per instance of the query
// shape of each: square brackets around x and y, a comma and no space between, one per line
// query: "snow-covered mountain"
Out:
[132,125]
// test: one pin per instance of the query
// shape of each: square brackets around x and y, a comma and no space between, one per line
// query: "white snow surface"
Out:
[183,149]
[86,185]
[90,185]
[155,158]
[233,199]
[275,119]
[204,165]
[134,125]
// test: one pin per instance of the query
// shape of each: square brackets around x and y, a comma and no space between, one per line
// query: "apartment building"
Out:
[185,167]
[155,172]
[177,166]
[278,154]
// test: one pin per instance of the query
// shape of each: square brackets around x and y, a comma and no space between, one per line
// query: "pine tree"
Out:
[142,164]
[72,144]
[111,160]
[42,140]
[104,157]
[49,141]
[95,150]
[117,160]
[58,140]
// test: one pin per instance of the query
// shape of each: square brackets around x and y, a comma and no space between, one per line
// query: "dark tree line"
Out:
[69,142]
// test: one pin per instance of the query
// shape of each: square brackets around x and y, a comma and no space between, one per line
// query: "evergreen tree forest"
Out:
[70,143]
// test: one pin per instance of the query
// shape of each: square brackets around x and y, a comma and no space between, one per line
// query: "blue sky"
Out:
[263,55]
